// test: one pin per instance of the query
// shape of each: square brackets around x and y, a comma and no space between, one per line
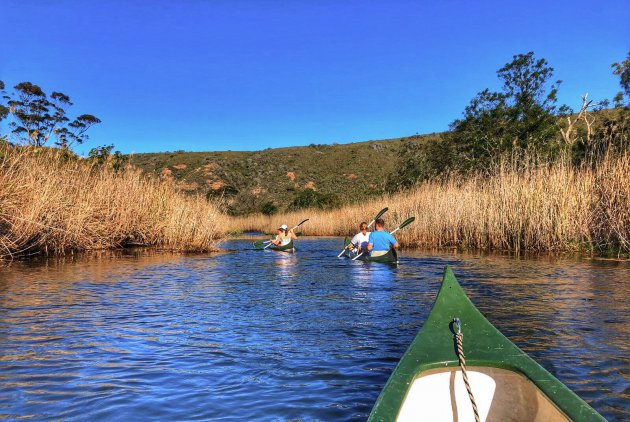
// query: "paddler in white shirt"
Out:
[284,236]
[360,240]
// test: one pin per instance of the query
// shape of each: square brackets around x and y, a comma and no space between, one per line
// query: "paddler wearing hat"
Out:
[284,236]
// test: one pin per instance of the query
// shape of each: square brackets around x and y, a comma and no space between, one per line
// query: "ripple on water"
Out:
[252,335]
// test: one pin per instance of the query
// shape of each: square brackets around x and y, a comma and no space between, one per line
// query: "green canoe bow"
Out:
[507,384]
[391,257]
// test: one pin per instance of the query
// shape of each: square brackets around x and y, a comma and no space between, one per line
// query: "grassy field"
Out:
[54,204]
[553,208]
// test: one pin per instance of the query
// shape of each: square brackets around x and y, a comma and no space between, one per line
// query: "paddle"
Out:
[381,212]
[259,244]
[400,226]
[292,228]
[403,224]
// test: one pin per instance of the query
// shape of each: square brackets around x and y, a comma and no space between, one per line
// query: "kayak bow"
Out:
[506,383]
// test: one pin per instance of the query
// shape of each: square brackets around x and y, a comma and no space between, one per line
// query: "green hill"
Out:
[284,178]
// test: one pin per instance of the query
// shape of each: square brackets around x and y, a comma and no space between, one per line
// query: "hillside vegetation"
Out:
[282,179]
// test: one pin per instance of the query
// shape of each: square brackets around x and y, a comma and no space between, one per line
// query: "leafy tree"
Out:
[419,160]
[4,110]
[37,117]
[520,117]
[623,70]
[103,154]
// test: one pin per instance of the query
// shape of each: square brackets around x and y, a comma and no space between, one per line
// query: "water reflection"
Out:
[285,265]
[258,335]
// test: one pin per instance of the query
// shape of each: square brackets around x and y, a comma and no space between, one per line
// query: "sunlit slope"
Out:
[339,173]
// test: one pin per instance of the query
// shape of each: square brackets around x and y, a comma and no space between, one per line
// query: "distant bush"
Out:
[103,155]
[268,208]
[308,198]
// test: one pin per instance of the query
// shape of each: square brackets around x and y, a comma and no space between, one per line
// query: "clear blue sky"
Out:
[248,75]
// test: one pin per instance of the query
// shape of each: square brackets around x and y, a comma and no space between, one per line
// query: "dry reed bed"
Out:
[54,205]
[552,208]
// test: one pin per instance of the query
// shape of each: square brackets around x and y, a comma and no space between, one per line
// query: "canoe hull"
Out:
[506,382]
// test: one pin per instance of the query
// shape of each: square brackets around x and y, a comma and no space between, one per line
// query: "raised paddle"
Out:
[403,224]
[400,226]
[381,212]
[292,228]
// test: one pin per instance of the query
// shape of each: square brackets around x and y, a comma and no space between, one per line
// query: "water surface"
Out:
[264,335]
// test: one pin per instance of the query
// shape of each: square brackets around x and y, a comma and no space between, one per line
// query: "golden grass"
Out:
[551,208]
[54,205]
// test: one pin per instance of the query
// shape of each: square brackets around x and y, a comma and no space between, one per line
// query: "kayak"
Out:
[289,247]
[391,257]
[507,385]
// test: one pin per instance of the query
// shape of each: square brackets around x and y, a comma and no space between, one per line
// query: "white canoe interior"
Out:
[501,395]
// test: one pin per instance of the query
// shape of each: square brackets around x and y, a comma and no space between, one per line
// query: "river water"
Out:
[264,335]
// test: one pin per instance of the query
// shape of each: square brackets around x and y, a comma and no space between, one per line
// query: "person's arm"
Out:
[393,241]
[276,241]
[353,243]
[293,235]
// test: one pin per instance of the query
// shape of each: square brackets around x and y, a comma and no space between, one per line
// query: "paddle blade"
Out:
[302,222]
[407,222]
[381,212]
[259,244]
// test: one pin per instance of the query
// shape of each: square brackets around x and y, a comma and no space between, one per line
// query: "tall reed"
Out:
[51,203]
[553,207]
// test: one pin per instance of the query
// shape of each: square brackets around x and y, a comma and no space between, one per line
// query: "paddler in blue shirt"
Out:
[380,240]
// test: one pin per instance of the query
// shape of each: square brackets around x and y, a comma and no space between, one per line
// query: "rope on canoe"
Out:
[459,341]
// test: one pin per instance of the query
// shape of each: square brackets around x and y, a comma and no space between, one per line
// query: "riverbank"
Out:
[53,202]
[552,208]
